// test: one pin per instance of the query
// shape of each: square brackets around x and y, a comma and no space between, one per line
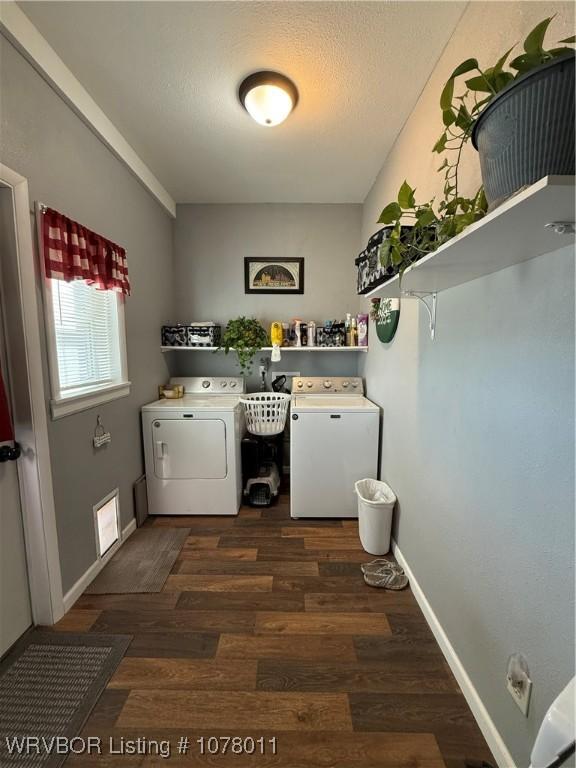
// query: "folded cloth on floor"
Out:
[385,574]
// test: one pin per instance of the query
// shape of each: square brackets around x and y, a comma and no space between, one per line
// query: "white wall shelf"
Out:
[269,349]
[518,230]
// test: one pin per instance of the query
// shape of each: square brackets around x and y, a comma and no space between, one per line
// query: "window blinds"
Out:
[86,335]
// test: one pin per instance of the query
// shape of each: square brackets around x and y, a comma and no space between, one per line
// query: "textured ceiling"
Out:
[166,73]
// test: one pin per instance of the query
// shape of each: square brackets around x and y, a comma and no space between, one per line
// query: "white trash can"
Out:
[375,507]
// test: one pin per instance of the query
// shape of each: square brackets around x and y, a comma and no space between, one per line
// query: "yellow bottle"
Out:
[276,334]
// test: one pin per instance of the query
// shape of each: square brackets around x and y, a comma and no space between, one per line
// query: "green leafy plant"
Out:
[460,112]
[244,336]
[418,229]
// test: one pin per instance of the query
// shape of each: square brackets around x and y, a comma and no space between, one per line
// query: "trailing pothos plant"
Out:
[244,336]
[460,112]
[418,229]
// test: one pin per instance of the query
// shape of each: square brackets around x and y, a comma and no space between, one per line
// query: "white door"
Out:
[189,449]
[15,610]
[329,453]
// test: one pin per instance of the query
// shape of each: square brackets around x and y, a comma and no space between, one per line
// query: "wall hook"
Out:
[101,437]
[430,307]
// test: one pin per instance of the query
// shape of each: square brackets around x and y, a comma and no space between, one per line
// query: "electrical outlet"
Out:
[264,365]
[518,682]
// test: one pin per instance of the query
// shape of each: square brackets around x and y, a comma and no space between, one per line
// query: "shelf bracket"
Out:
[429,301]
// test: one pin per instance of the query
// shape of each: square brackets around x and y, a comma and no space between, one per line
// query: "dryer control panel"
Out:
[211,385]
[321,385]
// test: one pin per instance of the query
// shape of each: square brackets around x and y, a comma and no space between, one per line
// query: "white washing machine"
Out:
[192,448]
[334,432]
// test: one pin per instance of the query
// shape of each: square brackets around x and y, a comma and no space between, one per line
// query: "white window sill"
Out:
[66,406]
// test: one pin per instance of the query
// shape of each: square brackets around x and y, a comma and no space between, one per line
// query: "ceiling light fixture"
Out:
[268,97]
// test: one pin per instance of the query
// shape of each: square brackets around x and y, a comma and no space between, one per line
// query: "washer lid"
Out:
[195,403]
[332,403]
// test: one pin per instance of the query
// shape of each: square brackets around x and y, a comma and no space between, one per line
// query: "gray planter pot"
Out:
[527,131]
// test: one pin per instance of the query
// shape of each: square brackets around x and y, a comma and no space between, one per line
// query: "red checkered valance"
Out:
[73,252]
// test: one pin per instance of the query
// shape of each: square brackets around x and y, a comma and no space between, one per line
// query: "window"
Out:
[87,345]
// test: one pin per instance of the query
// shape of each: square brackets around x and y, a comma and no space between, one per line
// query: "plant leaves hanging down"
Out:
[416,229]
[460,112]
[244,336]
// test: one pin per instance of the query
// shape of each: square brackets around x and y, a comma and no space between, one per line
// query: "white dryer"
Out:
[334,433]
[192,448]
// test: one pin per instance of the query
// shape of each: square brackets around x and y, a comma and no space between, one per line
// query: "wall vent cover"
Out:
[107,522]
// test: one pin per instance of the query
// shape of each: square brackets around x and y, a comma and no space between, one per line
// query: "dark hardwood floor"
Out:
[265,628]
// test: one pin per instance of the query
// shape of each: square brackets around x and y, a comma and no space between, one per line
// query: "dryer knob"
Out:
[205,384]
[233,384]
[223,384]
[309,384]
[345,384]
[327,384]
[300,384]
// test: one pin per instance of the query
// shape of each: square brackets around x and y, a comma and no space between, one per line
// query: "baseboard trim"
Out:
[485,722]
[76,590]
[129,530]
[88,576]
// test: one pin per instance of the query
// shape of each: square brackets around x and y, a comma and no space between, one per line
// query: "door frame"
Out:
[34,467]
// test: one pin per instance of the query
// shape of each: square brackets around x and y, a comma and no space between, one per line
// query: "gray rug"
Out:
[142,564]
[49,684]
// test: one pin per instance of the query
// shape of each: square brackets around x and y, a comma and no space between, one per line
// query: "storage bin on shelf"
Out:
[202,334]
[371,273]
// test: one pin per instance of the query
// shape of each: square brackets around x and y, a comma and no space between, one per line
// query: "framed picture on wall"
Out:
[273,275]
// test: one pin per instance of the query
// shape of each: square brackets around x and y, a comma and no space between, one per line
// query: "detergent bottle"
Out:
[276,337]
[276,334]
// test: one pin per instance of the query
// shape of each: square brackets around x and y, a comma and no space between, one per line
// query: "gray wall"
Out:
[478,426]
[68,168]
[211,242]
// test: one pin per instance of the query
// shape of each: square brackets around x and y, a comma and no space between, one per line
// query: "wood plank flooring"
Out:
[265,628]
